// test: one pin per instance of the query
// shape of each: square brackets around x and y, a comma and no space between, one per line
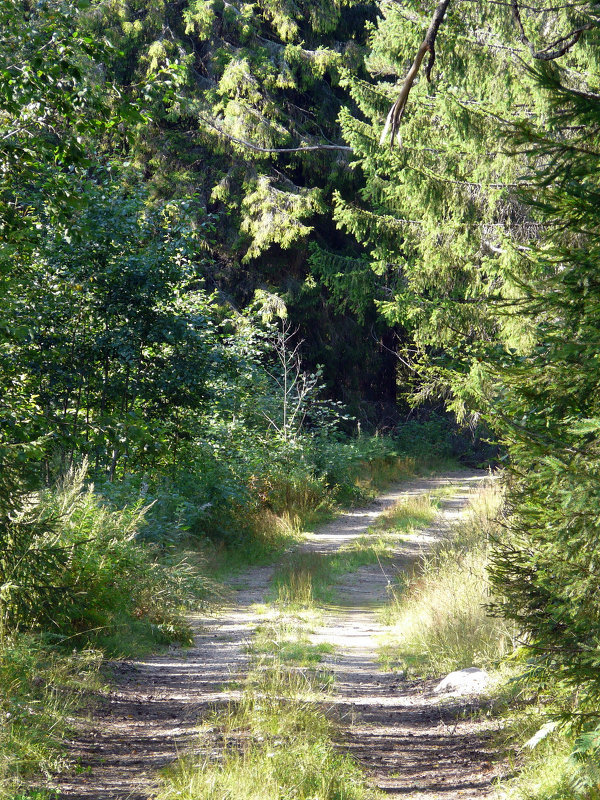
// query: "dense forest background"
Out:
[230,294]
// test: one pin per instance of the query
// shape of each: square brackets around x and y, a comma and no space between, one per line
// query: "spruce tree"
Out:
[243,100]
[545,404]
[438,208]
[241,103]
[483,230]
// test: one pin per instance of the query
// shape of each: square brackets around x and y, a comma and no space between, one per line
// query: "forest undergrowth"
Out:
[85,579]
[211,248]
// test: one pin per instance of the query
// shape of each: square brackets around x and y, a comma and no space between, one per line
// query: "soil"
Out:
[412,743]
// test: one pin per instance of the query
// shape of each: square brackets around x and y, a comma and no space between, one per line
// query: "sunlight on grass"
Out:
[39,691]
[410,513]
[303,579]
[303,509]
[540,757]
[302,765]
[438,615]
[277,741]
[377,473]
[287,639]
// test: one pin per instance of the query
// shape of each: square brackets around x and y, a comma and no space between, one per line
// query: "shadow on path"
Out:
[155,705]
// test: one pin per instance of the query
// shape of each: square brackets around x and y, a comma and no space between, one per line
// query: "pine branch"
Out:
[533,9]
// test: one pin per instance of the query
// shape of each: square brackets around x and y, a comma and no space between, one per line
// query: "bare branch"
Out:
[274,150]
[553,50]
[533,9]
[428,46]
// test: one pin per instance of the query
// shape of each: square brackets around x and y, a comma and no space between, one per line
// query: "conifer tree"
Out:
[243,99]
[545,404]
[438,208]
[484,222]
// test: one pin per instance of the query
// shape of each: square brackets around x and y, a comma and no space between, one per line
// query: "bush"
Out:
[82,572]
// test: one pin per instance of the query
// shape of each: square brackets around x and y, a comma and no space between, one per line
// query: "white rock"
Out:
[471,680]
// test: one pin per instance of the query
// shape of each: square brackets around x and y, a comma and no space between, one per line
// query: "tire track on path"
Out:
[413,744]
[153,709]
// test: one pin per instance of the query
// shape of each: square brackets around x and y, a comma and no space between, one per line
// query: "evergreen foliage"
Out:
[482,229]
[243,99]
[544,403]
[436,211]
[241,104]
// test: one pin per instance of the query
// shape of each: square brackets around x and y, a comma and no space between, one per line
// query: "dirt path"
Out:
[151,713]
[413,744]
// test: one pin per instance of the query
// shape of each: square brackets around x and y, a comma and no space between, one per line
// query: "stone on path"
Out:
[471,680]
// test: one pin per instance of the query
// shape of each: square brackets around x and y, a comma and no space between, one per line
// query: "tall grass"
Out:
[284,497]
[439,614]
[300,763]
[286,638]
[439,623]
[548,762]
[276,743]
[39,691]
[303,579]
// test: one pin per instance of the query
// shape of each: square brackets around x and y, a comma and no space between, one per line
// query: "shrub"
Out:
[82,572]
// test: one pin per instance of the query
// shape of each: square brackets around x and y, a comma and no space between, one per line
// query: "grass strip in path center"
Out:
[277,742]
[280,740]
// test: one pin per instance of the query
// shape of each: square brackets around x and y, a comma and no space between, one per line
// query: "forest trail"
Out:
[414,743]
[411,743]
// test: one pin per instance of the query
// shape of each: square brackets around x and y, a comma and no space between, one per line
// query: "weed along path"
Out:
[410,743]
[413,743]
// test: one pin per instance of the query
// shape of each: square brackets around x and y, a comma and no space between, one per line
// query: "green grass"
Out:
[40,690]
[270,536]
[287,639]
[303,579]
[277,741]
[546,771]
[301,509]
[301,764]
[373,475]
[412,513]
[301,506]
[438,615]
[36,794]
